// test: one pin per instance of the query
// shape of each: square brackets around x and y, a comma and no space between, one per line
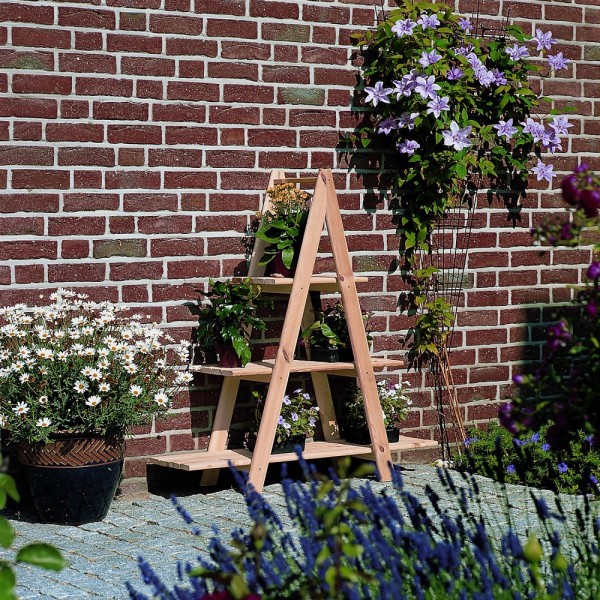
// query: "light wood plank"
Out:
[283,285]
[300,180]
[203,460]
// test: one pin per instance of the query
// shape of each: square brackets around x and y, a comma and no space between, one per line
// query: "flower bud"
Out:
[570,190]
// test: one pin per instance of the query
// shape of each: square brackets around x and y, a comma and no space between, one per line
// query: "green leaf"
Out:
[287,255]
[41,555]
[330,577]
[7,533]
[352,550]
[8,485]
[238,587]
[7,581]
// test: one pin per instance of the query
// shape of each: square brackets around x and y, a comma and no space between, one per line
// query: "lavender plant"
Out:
[352,542]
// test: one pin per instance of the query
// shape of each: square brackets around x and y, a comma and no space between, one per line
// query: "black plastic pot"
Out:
[330,355]
[361,435]
[289,446]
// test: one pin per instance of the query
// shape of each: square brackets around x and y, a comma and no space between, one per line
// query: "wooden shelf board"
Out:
[265,367]
[202,460]
[283,285]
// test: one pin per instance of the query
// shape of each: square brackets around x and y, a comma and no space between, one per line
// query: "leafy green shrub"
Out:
[571,469]
[351,542]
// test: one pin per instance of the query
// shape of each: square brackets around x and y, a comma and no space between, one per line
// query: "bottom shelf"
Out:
[202,460]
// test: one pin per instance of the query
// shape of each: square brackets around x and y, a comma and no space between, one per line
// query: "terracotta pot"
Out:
[72,479]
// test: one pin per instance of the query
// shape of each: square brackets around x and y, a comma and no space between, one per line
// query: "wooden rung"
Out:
[300,180]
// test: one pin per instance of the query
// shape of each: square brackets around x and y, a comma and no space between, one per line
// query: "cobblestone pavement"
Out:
[102,556]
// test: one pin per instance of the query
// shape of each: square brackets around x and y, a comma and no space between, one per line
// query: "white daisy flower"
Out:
[80,386]
[3,421]
[25,378]
[103,352]
[103,364]
[129,356]
[161,399]
[87,330]
[21,408]
[62,356]
[95,375]
[161,363]
[30,362]
[59,335]
[44,353]
[43,370]
[23,352]
[135,390]
[127,334]
[130,368]
[93,401]
[87,371]
[184,378]
[89,351]
[109,339]
[104,386]
[43,399]
[45,422]
[18,365]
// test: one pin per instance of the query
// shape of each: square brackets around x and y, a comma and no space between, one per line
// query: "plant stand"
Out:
[299,315]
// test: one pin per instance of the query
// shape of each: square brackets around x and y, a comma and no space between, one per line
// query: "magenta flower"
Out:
[593,271]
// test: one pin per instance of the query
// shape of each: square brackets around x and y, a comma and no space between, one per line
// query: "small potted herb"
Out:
[395,404]
[297,421]
[282,228]
[227,318]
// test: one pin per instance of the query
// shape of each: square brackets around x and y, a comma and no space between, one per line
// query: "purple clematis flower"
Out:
[454,74]
[551,141]
[560,125]
[465,25]
[408,147]
[535,129]
[437,105]
[485,77]
[543,171]
[506,129]
[405,27]
[378,94]
[517,52]
[544,40]
[456,137]
[499,77]
[426,21]
[427,87]
[557,61]
[387,125]
[429,58]
[464,50]
[407,120]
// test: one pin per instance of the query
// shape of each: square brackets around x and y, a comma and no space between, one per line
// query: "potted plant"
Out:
[395,404]
[282,227]
[297,421]
[75,378]
[227,319]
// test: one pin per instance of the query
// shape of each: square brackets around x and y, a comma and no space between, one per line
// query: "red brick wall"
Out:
[137,137]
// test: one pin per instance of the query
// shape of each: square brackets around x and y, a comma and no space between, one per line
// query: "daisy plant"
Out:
[78,367]
[452,110]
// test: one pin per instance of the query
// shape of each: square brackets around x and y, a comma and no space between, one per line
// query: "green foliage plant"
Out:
[297,419]
[230,314]
[450,110]
[37,554]
[282,226]
[573,468]
[80,367]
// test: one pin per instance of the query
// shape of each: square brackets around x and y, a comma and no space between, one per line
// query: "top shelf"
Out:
[283,285]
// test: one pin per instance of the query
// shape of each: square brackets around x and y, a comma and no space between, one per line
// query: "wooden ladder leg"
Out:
[331,431]
[221,425]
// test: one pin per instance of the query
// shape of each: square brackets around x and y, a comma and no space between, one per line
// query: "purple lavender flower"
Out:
[544,40]
[589,439]
[428,21]
[427,87]
[408,147]
[437,105]
[465,25]
[470,441]
[378,94]
[560,125]
[506,129]
[518,442]
[557,61]
[517,52]
[454,74]
[546,447]
[593,480]
[499,77]
[429,58]
[543,171]
[405,27]
[593,271]
[456,137]
[511,469]
[387,125]
[535,438]
[407,120]
[562,467]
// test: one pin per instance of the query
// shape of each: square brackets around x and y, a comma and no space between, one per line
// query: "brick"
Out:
[273,137]
[12,12]
[224,7]
[285,32]
[37,203]
[290,160]
[135,293]
[254,94]
[312,117]
[289,53]
[126,111]
[190,180]
[181,25]
[233,70]
[87,63]
[234,115]
[28,274]
[59,273]
[245,51]
[193,202]
[88,40]
[188,90]
[131,271]
[120,42]
[148,202]
[134,134]
[74,132]
[26,155]
[192,269]
[40,179]
[185,47]
[324,35]
[131,157]
[174,157]
[327,14]
[87,179]
[103,157]
[86,18]
[177,247]
[325,56]
[62,226]
[90,202]
[30,60]
[329,77]
[41,38]
[133,21]
[30,250]
[165,224]
[121,224]
[132,179]
[148,66]
[274,9]
[565,13]
[230,159]
[74,109]
[25,131]
[220,223]
[26,107]
[316,138]
[178,112]
[231,29]
[150,89]
[296,95]
[93,86]
[286,74]
[22,226]
[191,135]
